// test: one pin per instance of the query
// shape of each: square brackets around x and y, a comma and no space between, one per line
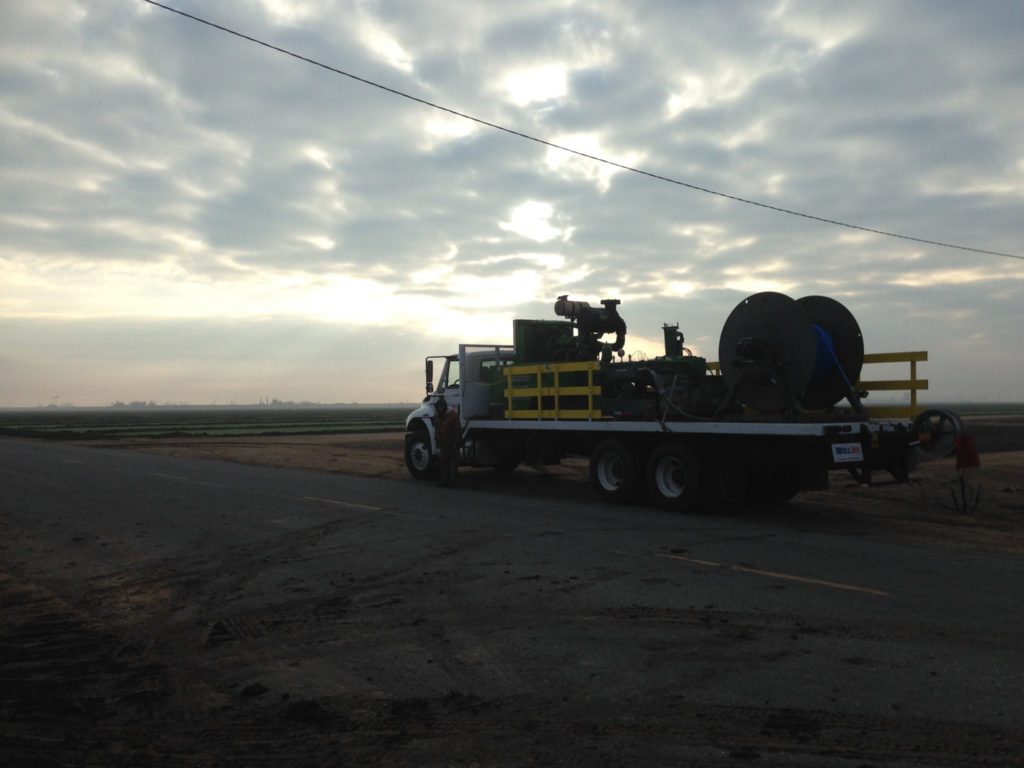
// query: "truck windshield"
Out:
[450,376]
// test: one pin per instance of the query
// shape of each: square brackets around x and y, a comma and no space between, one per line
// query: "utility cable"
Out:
[553,145]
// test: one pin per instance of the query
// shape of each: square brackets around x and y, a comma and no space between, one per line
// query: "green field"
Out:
[191,421]
[102,423]
[980,410]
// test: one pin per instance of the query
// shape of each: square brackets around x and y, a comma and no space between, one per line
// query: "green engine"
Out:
[675,386]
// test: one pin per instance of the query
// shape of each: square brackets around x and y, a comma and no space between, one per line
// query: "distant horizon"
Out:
[147,405]
[140,405]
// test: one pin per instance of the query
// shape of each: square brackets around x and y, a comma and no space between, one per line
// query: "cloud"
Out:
[532,220]
[156,170]
[540,83]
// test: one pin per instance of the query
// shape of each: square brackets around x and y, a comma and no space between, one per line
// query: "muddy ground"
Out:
[82,682]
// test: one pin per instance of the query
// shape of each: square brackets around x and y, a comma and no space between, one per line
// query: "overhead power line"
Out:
[570,150]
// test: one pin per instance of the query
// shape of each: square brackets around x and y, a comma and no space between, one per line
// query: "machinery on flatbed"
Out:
[779,411]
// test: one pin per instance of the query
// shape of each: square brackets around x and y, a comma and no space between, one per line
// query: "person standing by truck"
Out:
[448,428]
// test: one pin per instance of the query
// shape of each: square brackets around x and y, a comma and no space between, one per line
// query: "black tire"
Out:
[674,477]
[420,459]
[613,471]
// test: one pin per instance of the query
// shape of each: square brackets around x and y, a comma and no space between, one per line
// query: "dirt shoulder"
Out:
[369,455]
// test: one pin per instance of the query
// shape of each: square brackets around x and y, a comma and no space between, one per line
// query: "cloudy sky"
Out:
[189,217]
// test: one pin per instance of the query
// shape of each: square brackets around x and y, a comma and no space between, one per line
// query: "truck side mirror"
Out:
[430,376]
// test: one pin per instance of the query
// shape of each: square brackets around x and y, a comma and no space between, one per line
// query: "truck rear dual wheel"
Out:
[613,471]
[672,474]
[674,477]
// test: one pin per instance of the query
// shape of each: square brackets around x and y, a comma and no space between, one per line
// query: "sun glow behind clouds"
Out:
[550,261]
[679,288]
[694,91]
[573,167]
[165,291]
[532,220]
[541,83]
[924,279]
[321,242]
[289,12]
[384,45]
[439,129]
[318,156]
[763,277]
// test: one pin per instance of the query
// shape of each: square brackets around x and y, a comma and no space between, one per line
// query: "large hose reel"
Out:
[780,354]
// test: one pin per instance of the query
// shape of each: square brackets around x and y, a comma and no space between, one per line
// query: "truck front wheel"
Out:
[419,457]
[613,471]
[673,477]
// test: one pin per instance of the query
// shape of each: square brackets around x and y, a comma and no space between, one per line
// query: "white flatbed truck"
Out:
[679,463]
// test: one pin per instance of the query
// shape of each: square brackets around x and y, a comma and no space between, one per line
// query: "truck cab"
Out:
[465,382]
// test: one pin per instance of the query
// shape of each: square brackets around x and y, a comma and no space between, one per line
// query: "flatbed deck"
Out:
[761,428]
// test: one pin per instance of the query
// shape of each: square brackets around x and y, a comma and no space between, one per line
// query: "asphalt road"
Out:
[160,611]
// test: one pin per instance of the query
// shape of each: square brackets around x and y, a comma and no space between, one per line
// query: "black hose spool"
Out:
[773,348]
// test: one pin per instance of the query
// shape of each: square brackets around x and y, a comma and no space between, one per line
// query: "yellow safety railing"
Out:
[546,386]
[913,384]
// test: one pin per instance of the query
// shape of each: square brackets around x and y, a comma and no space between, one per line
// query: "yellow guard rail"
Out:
[544,386]
[912,384]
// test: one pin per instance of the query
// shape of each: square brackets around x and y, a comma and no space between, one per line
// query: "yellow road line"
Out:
[777,575]
[769,574]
